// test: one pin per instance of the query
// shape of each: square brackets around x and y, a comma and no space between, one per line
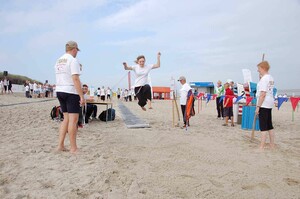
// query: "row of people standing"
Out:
[38,90]
[102,93]
[5,86]
[126,95]
[264,105]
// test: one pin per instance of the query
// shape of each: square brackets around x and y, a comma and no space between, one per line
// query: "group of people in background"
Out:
[103,93]
[264,104]
[38,90]
[225,106]
[5,86]
[126,95]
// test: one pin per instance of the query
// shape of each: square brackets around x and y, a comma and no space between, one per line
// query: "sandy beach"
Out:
[206,161]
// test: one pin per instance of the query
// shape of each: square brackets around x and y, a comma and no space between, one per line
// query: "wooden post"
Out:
[173,116]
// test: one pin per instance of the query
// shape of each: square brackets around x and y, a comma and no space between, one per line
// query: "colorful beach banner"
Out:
[200,95]
[294,101]
[248,100]
[238,99]
[208,96]
[281,100]
[221,98]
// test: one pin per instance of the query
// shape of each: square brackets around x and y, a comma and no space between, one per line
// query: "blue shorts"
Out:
[69,103]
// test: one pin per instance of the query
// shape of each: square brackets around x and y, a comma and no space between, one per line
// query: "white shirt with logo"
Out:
[266,84]
[65,67]
[183,93]
[141,74]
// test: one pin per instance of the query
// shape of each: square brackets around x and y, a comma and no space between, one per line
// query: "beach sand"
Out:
[206,161]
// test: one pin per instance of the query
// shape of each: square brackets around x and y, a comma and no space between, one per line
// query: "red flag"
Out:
[294,101]
[248,100]
[200,95]
[214,96]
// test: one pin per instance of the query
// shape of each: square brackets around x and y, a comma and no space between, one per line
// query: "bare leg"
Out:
[72,130]
[62,133]
[263,139]
[150,104]
[272,139]
[232,121]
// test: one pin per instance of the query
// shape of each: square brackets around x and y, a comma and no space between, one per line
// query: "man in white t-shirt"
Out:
[5,84]
[102,93]
[31,88]
[69,94]
[265,103]
[183,96]
[141,87]
[36,90]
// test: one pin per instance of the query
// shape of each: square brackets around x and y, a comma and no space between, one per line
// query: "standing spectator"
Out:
[31,87]
[265,103]
[69,94]
[228,105]
[126,95]
[219,90]
[27,90]
[5,84]
[36,91]
[46,88]
[118,93]
[50,91]
[1,86]
[42,90]
[130,95]
[122,94]
[102,93]
[98,93]
[183,97]
[108,94]
[9,87]
[141,87]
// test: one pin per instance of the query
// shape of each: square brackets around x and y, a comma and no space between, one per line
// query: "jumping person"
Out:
[265,103]
[141,87]
[69,94]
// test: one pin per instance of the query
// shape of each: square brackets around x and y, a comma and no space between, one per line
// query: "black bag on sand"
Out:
[111,114]
[56,113]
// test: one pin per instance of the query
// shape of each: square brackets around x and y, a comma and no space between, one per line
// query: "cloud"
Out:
[37,15]
[204,40]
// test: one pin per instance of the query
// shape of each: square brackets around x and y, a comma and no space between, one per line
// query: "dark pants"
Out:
[183,108]
[143,93]
[91,111]
[220,108]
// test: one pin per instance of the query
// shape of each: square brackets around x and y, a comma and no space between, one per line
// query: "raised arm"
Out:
[126,67]
[157,65]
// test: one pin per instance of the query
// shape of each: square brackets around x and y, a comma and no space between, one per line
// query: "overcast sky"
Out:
[202,40]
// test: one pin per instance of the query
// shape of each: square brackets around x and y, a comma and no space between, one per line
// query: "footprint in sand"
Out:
[291,182]
[259,185]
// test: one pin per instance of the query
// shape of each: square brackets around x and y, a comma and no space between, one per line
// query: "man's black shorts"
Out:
[69,103]
[265,119]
